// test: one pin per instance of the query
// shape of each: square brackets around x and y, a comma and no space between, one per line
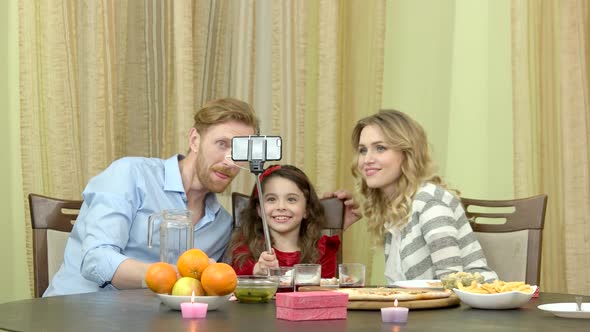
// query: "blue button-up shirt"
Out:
[113,220]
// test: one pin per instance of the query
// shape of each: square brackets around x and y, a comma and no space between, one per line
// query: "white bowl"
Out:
[508,300]
[174,301]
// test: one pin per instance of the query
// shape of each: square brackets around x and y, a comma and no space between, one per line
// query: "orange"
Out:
[160,277]
[219,279]
[192,263]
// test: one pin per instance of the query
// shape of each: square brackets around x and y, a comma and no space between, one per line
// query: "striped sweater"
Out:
[436,241]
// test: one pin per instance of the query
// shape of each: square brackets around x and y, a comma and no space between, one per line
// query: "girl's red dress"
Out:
[327,246]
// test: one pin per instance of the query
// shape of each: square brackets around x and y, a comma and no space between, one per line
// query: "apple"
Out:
[186,285]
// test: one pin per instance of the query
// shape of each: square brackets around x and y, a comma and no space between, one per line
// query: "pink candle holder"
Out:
[193,310]
[394,314]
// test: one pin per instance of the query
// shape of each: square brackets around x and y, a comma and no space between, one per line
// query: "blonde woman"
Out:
[409,209]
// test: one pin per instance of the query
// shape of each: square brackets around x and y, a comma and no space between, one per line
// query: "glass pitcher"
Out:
[176,233]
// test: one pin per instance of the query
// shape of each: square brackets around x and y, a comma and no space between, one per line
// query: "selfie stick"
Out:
[263,211]
[256,168]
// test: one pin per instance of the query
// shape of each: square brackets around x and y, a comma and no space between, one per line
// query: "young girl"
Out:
[408,207]
[294,216]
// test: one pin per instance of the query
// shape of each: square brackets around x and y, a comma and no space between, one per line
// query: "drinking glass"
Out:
[306,275]
[351,275]
[285,276]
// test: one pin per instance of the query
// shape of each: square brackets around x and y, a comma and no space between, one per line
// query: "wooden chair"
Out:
[333,211]
[52,221]
[512,248]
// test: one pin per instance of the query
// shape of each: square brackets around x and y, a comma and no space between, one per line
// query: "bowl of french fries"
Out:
[495,295]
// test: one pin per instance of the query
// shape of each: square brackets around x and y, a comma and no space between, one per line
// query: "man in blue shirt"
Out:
[107,248]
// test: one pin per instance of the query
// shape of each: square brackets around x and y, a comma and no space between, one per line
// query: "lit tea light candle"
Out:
[192,309]
[394,314]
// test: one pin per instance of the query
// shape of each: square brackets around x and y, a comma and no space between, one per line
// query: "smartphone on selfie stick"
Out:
[256,150]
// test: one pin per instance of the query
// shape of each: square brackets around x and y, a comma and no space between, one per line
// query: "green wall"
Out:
[14,277]
[448,64]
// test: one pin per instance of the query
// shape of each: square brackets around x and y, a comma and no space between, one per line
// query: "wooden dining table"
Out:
[141,310]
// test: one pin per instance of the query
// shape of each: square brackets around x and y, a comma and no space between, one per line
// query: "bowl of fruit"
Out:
[197,280]
[256,289]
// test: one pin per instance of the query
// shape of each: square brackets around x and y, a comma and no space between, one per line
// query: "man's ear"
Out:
[194,140]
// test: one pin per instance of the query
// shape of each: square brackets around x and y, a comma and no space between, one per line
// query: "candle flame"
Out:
[193,297]
[394,302]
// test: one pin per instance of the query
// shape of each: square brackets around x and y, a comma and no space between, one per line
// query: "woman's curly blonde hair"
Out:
[401,133]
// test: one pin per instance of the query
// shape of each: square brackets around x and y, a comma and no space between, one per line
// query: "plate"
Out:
[507,300]
[174,301]
[419,284]
[567,310]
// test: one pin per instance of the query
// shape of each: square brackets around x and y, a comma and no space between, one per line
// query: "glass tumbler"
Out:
[306,275]
[351,275]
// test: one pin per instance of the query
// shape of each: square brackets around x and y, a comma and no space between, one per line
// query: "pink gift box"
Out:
[300,306]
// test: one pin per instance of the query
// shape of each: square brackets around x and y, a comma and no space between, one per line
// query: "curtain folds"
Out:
[100,80]
[327,72]
[552,129]
[105,79]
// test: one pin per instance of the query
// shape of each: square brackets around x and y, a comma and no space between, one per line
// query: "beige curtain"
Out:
[551,58]
[322,62]
[105,79]
[100,80]
[327,68]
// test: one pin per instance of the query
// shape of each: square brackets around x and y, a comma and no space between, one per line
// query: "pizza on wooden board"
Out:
[391,294]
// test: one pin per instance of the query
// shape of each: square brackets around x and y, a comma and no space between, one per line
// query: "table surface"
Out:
[141,310]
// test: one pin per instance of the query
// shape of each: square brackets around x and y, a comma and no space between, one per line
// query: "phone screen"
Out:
[262,148]
[239,151]
[273,148]
[258,151]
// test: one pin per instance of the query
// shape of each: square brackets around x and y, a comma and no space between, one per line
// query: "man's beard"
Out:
[204,175]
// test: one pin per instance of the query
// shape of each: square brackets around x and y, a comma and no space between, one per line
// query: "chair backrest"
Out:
[333,211]
[52,220]
[513,248]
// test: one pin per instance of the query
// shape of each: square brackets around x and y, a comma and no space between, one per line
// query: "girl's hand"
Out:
[265,262]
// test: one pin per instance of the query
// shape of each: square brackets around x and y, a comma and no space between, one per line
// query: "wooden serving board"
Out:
[450,301]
